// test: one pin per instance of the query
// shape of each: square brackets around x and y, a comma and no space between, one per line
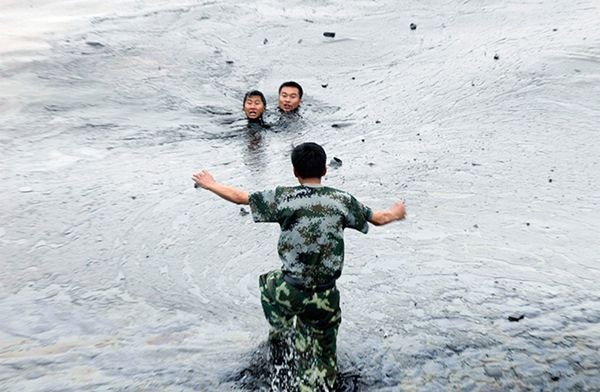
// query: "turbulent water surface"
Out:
[115,274]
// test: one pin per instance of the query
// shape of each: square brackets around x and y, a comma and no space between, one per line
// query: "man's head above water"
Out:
[255,105]
[290,96]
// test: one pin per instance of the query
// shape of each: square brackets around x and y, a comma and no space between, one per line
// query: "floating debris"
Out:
[516,319]
[335,162]
[94,44]
[329,34]
[243,211]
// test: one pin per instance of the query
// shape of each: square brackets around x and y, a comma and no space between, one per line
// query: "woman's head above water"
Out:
[255,105]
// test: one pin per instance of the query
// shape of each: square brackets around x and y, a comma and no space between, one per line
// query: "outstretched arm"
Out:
[397,212]
[229,193]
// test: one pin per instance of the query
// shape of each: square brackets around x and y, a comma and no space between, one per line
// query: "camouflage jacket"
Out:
[312,221]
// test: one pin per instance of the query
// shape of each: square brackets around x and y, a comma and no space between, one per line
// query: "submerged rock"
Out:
[329,34]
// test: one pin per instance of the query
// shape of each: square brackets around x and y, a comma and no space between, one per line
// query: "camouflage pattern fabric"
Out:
[312,221]
[316,316]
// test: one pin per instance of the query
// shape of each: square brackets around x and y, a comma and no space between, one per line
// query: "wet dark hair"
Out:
[292,84]
[255,93]
[309,160]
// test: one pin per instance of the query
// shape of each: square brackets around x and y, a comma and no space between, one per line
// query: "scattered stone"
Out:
[516,319]
[496,57]
[377,122]
[528,224]
[329,34]
[25,189]
[324,85]
[229,62]
[243,211]
[413,26]
[353,78]
[335,162]
[265,41]
[362,140]
[94,44]
[550,180]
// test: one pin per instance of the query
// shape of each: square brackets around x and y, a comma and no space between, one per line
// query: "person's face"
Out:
[254,107]
[289,99]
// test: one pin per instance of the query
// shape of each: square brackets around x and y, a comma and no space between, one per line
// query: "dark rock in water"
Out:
[413,26]
[515,319]
[496,57]
[133,197]
[476,226]
[362,140]
[527,223]
[550,180]
[300,41]
[377,122]
[335,125]
[329,34]
[555,29]
[353,78]
[324,85]
[94,44]
[243,211]
[266,41]
[555,378]
[335,162]
[229,62]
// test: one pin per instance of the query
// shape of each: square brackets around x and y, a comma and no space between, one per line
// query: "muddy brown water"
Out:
[116,274]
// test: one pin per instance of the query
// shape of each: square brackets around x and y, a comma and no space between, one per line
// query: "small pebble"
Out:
[362,140]
[413,26]
[527,223]
[377,122]
[329,34]
[496,57]
[550,180]
[353,78]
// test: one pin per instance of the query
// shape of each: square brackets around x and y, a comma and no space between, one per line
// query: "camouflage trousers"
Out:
[312,319]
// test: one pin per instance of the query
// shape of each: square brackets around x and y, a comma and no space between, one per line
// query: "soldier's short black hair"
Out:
[255,93]
[309,160]
[292,84]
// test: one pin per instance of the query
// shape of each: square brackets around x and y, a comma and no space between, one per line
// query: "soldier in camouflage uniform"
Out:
[312,218]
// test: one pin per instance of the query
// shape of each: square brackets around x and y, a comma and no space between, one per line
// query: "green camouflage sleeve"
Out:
[263,206]
[358,216]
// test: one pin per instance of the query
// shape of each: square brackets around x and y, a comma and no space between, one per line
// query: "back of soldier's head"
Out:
[309,160]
